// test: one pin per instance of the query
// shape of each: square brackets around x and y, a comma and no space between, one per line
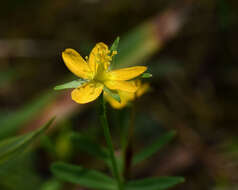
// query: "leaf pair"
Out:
[87,145]
[97,180]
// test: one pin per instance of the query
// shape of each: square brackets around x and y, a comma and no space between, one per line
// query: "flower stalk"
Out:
[106,131]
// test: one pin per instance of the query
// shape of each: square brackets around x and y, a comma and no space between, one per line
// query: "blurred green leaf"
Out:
[13,173]
[72,84]
[12,121]
[153,148]
[12,147]
[7,76]
[52,184]
[137,46]
[166,67]
[113,94]
[87,145]
[85,177]
[159,183]
[146,75]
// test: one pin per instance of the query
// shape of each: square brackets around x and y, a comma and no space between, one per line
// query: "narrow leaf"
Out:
[87,145]
[10,122]
[72,84]
[113,94]
[115,44]
[153,148]
[12,147]
[160,183]
[85,177]
[146,75]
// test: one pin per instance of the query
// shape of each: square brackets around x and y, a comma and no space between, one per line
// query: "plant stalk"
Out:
[104,123]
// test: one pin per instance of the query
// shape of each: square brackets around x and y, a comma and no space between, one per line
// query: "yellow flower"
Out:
[126,97]
[96,71]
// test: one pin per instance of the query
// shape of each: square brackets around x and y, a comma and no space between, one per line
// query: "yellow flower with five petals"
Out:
[96,72]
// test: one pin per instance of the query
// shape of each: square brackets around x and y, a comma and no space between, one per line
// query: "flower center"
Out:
[103,59]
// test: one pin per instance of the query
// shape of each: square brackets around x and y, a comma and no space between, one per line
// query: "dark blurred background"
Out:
[189,47]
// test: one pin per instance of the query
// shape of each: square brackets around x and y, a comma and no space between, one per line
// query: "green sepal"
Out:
[115,44]
[113,94]
[146,75]
[72,84]
[114,47]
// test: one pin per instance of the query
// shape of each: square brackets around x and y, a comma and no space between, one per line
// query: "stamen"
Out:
[114,52]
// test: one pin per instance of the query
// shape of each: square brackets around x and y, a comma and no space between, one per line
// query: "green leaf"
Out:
[137,46]
[115,44]
[146,75]
[87,145]
[72,84]
[10,122]
[85,177]
[52,184]
[13,173]
[153,148]
[160,183]
[12,147]
[113,94]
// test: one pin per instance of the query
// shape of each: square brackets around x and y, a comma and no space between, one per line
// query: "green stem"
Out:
[104,123]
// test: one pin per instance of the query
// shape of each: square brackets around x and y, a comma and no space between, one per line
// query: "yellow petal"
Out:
[115,104]
[98,55]
[76,64]
[126,73]
[87,92]
[142,89]
[128,86]
[124,96]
